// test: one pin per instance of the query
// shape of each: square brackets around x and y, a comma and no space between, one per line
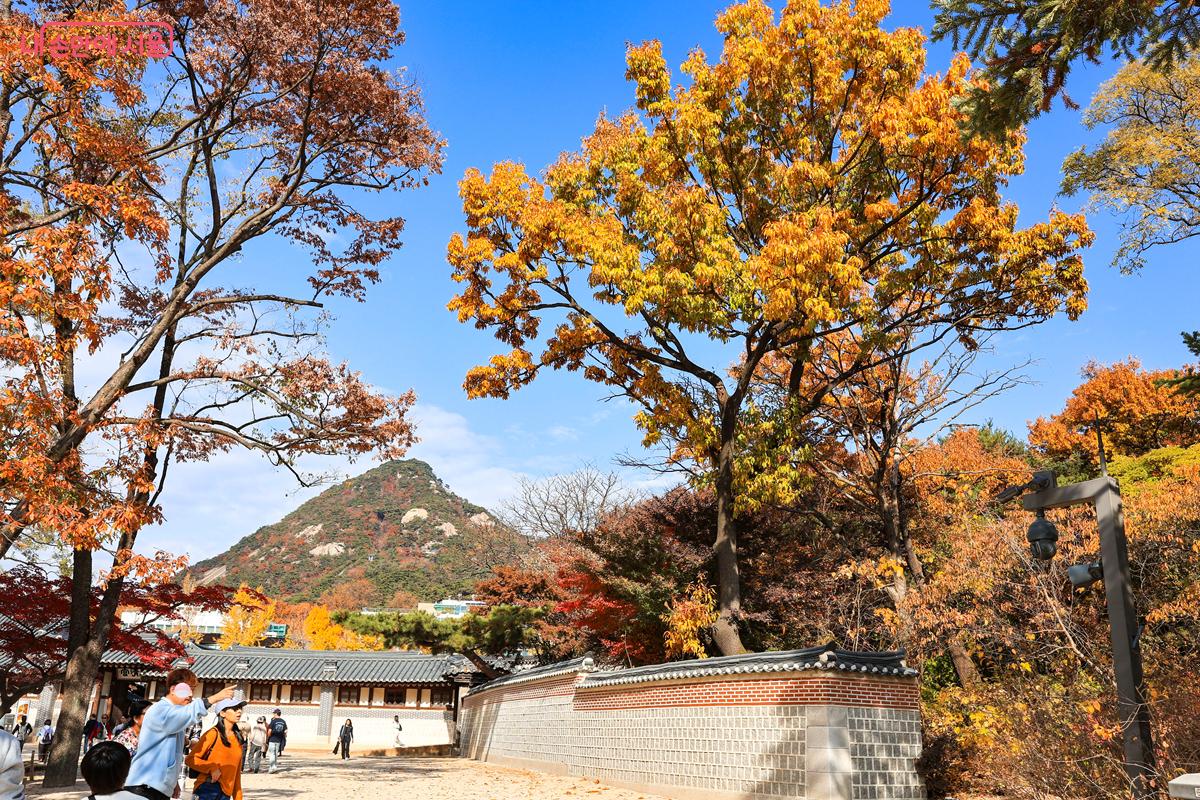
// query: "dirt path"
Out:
[390,778]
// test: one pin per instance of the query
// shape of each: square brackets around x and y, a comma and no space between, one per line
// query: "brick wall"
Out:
[803,733]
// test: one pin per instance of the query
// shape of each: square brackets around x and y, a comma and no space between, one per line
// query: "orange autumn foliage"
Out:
[756,207]
[1134,410]
[129,196]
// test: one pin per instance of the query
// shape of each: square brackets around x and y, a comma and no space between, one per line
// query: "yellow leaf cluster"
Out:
[688,618]
[808,179]
[247,620]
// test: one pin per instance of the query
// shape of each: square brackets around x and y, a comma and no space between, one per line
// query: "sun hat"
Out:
[225,705]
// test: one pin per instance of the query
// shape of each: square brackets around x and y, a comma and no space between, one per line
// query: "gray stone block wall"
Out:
[884,746]
[533,729]
[325,713]
[748,750]
[45,706]
[768,751]
[828,768]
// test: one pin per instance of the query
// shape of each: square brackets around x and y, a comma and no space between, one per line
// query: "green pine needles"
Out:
[1027,47]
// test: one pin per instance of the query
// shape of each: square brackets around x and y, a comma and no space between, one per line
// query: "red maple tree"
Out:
[35,610]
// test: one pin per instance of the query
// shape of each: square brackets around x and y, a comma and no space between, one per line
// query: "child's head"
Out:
[105,767]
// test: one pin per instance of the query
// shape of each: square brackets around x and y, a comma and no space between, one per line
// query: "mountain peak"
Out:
[396,530]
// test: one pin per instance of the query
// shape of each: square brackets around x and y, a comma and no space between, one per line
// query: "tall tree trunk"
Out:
[87,642]
[83,666]
[481,664]
[78,681]
[729,585]
[891,510]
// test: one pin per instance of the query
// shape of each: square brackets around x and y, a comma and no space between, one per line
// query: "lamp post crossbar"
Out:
[1104,495]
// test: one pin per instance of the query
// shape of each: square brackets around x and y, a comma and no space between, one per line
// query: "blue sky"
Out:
[525,81]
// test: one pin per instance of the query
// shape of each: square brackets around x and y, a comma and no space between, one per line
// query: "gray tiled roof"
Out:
[582,664]
[311,666]
[827,657]
[812,658]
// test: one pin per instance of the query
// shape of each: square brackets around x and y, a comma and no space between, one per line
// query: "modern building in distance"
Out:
[201,626]
[450,609]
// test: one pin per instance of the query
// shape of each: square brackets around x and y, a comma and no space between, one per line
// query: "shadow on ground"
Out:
[321,778]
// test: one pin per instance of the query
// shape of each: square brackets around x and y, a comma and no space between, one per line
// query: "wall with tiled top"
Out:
[818,734]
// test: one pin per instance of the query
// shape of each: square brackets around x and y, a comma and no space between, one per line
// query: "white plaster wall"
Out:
[373,728]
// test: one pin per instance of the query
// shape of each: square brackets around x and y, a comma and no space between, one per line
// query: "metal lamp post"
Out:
[1105,495]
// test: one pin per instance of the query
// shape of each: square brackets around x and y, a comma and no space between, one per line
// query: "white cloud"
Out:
[210,505]
[468,461]
[563,433]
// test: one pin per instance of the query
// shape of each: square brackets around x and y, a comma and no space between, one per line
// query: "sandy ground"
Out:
[390,778]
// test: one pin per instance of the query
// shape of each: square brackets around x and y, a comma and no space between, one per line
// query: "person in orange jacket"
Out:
[217,755]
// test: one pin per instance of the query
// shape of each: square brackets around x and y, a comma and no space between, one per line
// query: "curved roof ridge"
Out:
[581,664]
[826,657]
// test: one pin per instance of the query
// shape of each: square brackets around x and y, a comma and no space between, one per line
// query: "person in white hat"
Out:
[159,759]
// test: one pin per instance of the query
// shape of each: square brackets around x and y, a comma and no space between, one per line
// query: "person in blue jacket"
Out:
[155,770]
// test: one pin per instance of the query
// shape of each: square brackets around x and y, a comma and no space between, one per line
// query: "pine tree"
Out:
[1030,46]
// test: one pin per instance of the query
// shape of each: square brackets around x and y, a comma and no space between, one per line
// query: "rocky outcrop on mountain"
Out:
[393,530]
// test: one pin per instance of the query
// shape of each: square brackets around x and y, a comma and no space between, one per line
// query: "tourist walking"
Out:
[345,737]
[276,738]
[12,771]
[256,743]
[45,737]
[93,731]
[22,730]
[396,724]
[159,760]
[218,755]
[129,734]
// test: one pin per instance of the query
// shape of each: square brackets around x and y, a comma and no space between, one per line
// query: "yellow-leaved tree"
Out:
[322,633]
[247,620]
[688,618]
[811,180]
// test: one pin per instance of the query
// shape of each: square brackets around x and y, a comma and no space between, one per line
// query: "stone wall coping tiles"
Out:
[584,664]
[814,658]
[889,664]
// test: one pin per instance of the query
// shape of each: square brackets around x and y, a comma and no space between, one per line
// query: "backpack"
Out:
[47,735]
[193,774]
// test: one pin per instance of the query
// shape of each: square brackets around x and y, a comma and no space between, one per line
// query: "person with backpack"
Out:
[276,738]
[45,737]
[91,731]
[399,728]
[105,768]
[216,758]
[159,759]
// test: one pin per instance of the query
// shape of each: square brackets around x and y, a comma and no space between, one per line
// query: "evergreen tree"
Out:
[1029,46]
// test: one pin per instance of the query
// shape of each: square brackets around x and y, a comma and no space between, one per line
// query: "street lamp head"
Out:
[1081,575]
[1043,537]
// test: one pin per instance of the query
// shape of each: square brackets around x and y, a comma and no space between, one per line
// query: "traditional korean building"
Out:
[317,690]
